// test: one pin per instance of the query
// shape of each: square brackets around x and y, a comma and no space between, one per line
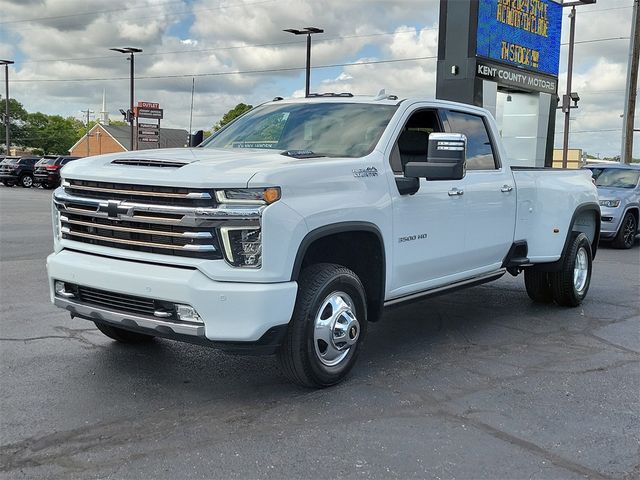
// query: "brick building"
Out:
[117,138]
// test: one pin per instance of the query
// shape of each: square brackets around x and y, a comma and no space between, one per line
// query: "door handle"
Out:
[454,192]
[506,188]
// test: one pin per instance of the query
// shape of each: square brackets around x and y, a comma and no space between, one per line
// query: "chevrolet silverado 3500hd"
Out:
[294,226]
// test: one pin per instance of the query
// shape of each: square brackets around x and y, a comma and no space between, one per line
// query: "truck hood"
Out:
[188,167]
[605,193]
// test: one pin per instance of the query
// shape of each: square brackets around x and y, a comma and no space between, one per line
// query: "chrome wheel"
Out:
[27,181]
[629,231]
[336,329]
[581,270]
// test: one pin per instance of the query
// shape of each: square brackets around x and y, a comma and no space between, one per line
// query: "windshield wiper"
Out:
[301,154]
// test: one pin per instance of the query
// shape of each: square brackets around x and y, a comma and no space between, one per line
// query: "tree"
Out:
[17,115]
[231,115]
[52,134]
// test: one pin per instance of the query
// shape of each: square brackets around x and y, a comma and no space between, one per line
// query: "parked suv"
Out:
[47,171]
[619,193]
[18,170]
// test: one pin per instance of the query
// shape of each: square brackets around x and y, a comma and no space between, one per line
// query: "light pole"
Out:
[570,96]
[130,51]
[7,137]
[308,31]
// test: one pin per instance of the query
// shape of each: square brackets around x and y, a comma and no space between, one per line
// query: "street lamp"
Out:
[308,31]
[570,96]
[6,64]
[130,51]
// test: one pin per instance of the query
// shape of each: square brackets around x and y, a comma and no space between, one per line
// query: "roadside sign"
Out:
[148,139]
[148,133]
[149,126]
[149,113]
[148,105]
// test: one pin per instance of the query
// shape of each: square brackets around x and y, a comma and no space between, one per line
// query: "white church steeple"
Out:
[104,114]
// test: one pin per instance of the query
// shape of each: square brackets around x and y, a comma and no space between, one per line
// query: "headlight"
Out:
[610,203]
[248,196]
[55,220]
[242,246]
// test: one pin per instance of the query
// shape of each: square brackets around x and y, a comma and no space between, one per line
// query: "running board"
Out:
[470,282]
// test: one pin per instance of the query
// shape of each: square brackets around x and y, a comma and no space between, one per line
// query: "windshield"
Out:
[307,130]
[615,177]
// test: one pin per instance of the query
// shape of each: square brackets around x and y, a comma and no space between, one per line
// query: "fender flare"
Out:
[583,207]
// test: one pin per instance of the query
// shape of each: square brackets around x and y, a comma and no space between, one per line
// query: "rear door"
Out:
[489,194]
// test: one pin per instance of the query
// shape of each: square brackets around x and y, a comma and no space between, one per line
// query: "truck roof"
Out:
[380,99]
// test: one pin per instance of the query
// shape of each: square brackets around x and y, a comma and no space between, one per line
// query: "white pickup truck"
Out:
[297,224]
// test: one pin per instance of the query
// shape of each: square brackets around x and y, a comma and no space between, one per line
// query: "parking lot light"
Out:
[130,51]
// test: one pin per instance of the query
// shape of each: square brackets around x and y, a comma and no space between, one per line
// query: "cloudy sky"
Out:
[237,52]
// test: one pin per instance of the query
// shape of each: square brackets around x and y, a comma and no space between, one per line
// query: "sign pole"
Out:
[566,101]
[632,87]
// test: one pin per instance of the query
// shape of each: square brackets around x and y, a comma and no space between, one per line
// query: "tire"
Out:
[626,236]
[48,186]
[123,336]
[26,181]
[571,284]
[538,286]
[331,306]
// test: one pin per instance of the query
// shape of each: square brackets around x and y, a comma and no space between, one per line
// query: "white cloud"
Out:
[246,35]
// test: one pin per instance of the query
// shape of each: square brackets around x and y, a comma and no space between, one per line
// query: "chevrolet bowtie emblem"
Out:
[112,208]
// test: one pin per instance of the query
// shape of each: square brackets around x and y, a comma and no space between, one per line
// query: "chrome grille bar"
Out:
[188,247]
[184,235]
[138,193]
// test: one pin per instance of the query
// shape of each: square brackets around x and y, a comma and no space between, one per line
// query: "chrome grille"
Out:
[167,220]
[156,195]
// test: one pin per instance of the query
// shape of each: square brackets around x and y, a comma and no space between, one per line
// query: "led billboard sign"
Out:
[521,33]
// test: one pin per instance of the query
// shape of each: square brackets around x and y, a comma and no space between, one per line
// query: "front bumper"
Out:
[238,313]
[9,177]
[610,221]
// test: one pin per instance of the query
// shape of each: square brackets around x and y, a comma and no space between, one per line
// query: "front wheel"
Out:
[571,283]
[626,236]
[327,328]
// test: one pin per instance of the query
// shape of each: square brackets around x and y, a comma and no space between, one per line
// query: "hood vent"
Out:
[139,162]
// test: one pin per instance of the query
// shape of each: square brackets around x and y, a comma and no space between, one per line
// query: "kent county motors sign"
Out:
[518,43]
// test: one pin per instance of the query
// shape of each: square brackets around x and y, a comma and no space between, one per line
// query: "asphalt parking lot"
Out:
[477,384]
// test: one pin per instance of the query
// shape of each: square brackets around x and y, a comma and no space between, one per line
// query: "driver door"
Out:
[428,226]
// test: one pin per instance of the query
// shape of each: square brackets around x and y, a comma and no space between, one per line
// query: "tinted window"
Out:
[326,129]
[617,178]
[479,150]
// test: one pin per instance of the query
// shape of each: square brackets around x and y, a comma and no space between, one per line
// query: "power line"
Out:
[235,72]
[118,10]
[230,47]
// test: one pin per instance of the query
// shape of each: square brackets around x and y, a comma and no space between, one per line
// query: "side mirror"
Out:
[446,158]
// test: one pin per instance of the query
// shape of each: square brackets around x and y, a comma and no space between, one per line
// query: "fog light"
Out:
[186,313]
[61,290]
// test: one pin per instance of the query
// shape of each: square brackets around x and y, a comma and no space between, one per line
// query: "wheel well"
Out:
[636,213]
[587,221]
[360,251]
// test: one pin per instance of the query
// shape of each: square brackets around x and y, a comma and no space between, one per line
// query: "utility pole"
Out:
[632,87]
[7,117]
[193,87]
[87,112]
